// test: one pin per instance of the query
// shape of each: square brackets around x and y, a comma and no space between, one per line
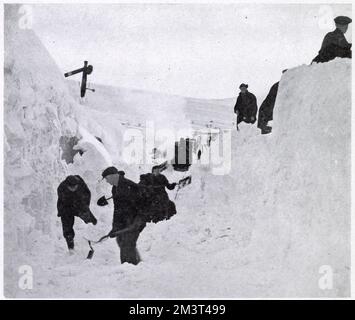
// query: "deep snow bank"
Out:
[296,184]
[37,112]
[312,163]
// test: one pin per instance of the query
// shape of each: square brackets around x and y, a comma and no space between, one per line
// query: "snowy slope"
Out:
[137,106]
[37,112]
[263,230]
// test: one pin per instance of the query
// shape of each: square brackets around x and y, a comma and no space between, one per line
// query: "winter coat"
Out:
[125,199]
[246,107]
[267,107]
[155,202]
[334,45]
[73,203]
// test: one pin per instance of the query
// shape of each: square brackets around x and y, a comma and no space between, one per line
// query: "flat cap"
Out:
[108,171]
[243,85]
[342,20]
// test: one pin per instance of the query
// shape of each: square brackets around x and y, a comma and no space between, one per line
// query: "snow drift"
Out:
[266,229]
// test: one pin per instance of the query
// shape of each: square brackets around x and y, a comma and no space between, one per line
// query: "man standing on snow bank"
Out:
[334,43]
[245,107]
[125,215]
[73,201]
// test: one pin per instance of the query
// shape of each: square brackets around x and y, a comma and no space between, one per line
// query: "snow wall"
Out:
[269,228]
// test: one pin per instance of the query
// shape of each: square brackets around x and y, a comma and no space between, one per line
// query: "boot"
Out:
[266,130]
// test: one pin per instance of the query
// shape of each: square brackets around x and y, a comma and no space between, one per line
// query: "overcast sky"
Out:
[196,50]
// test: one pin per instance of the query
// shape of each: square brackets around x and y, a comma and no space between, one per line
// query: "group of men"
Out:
[135,204]
[334,45]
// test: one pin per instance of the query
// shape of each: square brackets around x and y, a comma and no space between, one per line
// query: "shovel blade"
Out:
[90,254]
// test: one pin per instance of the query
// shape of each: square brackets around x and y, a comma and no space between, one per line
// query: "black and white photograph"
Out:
[177,150]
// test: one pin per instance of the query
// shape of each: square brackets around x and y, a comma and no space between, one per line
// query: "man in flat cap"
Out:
[334,43]
[73,201]
[125,216]
[245,107]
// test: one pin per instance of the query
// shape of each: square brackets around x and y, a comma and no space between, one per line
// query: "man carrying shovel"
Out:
[127,223]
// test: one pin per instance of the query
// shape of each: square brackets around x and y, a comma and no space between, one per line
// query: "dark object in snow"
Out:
[99,139]
[199,153]
[246,107]
[91,252]
[103,201]
[183,155]
[86,70]
[73,201]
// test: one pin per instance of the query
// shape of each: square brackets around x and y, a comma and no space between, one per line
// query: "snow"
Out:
[262,230]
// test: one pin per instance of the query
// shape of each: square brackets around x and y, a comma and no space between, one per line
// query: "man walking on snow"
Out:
[245,107]
[73,201]
[334,43]
[125,194]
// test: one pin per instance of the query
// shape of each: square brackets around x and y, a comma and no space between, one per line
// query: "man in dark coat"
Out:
[334,43]
[73,201]
[158,206]
[266,109]
[246,106]
[125,198]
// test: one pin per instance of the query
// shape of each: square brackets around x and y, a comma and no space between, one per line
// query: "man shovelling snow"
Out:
[73,201]
[135,204]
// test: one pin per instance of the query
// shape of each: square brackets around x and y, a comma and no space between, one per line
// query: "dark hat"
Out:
[342,20]
[108,171]
[243,85]
[72,180]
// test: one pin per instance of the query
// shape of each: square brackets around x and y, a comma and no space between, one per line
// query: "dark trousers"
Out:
[262,120]
[128,250]
[246,119]
[68,230]
[68,219]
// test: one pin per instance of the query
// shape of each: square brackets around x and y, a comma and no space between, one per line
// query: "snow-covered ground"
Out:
[263,230]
